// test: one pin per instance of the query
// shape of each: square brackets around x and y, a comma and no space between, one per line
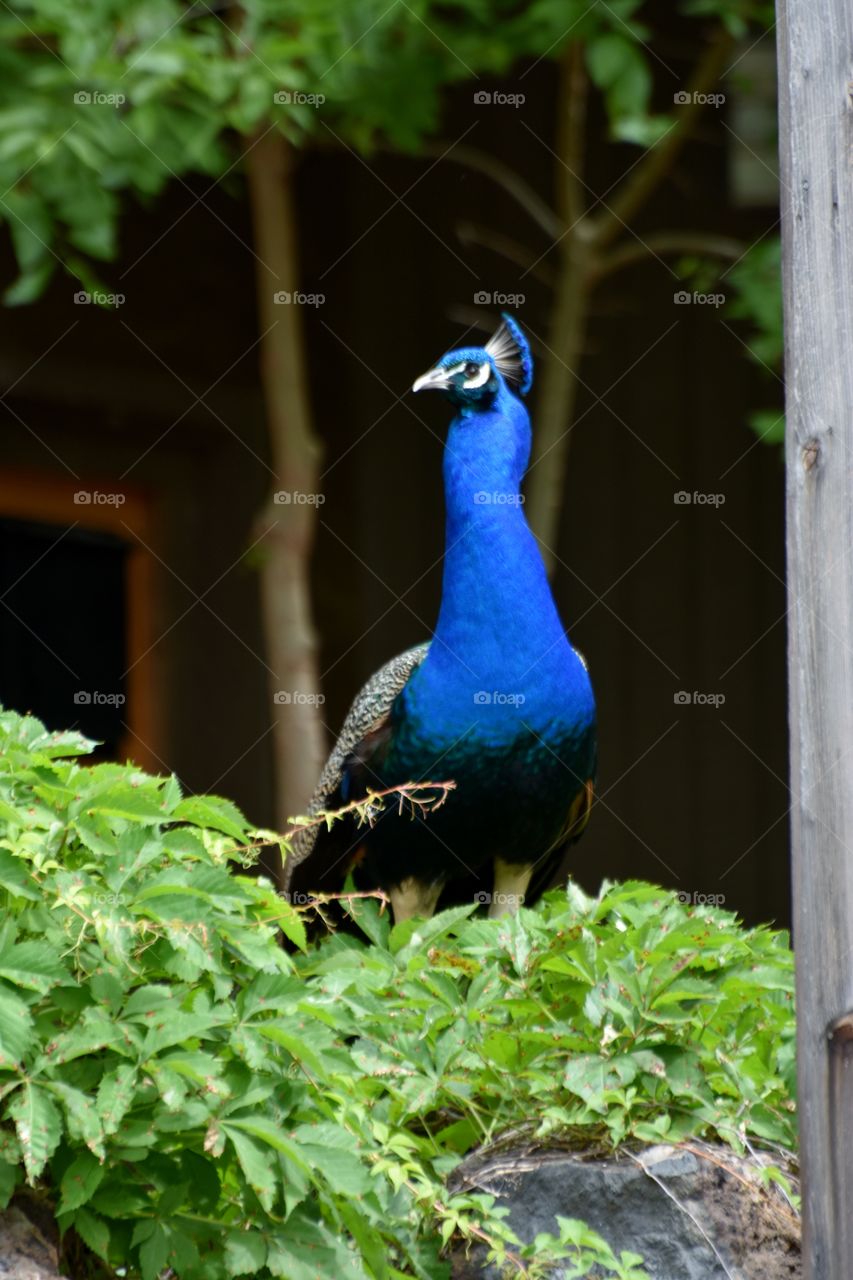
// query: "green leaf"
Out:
[616,63]
[16,1028]
[8,1183]
[175,1026]
[38,1125]
[115,1095]
[245,1252]
[94,1030]
[82,1119]
[80,1181]
[257,1168]
[135,804]
[212,811]
[15,877]
[93,1231]
[270,1133]
[30,964]
[306,1250]
[154,1252]
[291,924]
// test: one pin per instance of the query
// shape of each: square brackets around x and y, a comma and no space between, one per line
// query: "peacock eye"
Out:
[471,369]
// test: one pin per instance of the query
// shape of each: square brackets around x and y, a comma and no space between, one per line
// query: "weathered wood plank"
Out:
[816,133]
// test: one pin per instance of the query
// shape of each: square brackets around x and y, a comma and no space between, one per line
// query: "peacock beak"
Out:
[435,380]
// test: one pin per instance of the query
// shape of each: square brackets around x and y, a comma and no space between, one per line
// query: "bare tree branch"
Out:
[506,177]
[658,161]
[666,242]
[505,247]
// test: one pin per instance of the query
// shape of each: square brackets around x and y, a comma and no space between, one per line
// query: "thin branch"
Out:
[661,157]
[666,242]
[408,791]
[504,176]
[505,247]
[571,126]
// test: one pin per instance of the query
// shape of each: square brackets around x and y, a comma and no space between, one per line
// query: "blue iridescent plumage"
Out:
[500,701]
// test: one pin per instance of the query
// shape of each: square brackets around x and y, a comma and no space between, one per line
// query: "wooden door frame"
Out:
[49,498]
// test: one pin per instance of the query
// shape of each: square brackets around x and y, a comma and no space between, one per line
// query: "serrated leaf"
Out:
[257,1167]
[80,1181]
[38,1125]
[16,1028]
[94,1030]
[307,1251]
[93,1231]
[115,1095]
[175,1026]
[15,877]
[212,811]
[31,964]
[154,1253]
[292,925]
[143,805]
[81,1115]
[63,743]
[245,1252]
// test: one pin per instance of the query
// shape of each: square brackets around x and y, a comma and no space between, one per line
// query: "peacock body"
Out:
[499,701]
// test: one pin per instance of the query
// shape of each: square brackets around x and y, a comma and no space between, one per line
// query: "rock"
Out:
[25,1254]
[694,1212]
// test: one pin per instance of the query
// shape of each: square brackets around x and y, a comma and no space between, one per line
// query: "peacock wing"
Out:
[367,718]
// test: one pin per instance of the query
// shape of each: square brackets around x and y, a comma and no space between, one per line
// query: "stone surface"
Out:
[696,1212]
[24,1252]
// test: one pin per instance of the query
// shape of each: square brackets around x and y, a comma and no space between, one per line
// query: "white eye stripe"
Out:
[480,378]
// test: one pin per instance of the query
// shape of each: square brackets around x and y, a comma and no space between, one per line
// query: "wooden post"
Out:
[816,133]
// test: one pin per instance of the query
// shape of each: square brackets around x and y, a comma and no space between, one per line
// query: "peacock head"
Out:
[471,377]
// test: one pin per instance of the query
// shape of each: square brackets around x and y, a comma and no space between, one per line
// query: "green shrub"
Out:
[184,1093]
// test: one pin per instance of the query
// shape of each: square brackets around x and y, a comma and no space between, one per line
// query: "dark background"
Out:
[661,597]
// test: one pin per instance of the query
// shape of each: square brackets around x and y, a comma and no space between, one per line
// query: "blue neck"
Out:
[497,613]
[496,602]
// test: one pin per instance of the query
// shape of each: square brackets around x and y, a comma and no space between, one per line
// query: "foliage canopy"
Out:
[126,95]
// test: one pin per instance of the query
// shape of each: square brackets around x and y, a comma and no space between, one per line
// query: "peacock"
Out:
[498,701]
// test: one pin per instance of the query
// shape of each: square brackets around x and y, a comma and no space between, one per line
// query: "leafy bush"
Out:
[184,1093]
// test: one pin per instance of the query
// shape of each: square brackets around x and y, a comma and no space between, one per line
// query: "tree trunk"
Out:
[556,403]
[288,521]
